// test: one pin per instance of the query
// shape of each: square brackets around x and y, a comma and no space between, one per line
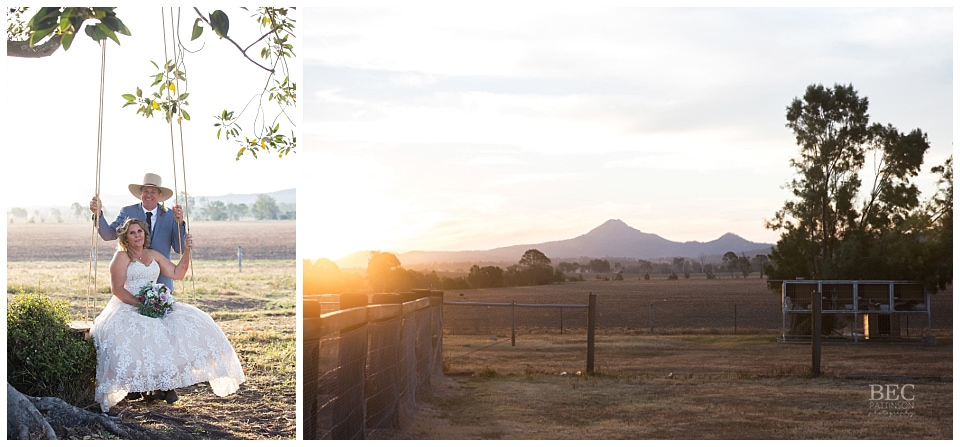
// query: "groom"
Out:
[167,229]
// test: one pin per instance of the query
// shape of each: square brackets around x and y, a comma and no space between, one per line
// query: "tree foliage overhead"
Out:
[834,228]
[51,28]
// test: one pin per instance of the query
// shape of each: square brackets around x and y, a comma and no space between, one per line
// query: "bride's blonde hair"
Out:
[123,242]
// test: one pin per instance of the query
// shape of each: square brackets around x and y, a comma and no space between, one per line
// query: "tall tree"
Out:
[760,261]
[535,268]
[485,277]
[533,258]
[831,127]
[743,262]
[599,266]
[833,228]
[216,210]
[940,212]
[265,208]
[382,269]
[78,210]
[731,262]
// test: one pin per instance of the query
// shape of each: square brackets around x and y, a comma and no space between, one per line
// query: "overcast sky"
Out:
[475,128]
[51,118]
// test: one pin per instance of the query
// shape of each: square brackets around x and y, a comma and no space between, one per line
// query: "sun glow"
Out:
[351,210]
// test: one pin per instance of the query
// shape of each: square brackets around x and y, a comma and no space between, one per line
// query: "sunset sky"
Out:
[52,118]
[475,128]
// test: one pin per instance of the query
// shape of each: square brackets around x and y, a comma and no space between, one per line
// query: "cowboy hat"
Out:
[151,180]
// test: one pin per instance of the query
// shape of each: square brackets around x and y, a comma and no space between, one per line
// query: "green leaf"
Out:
[96,32]
[39,34]
[220,23]
[44,18]
[122,29]
[108,32]
[66,40]
[197,30]
[129,97]
[186,115]
[111,22]
[65,23]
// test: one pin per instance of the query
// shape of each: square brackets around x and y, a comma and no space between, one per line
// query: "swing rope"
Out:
[96,220]
[173,152]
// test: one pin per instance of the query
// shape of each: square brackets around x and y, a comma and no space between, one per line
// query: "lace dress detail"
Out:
[140,353]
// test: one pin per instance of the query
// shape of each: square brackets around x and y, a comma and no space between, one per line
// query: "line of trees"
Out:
[384,273]
[264,208]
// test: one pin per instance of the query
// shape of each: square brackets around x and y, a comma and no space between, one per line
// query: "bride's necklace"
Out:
[139,256]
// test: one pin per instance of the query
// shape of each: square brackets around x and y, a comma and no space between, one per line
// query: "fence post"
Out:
[561,321]
[591,330]
[734,319]
[815,329]
[651,317]
[513,324]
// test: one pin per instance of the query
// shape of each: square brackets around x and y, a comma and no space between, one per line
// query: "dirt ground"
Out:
[665,387]
[696,359]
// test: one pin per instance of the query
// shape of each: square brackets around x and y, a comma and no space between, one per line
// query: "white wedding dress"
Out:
[140,353]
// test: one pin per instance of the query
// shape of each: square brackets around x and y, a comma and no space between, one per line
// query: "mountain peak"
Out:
[612,227]
[614,223]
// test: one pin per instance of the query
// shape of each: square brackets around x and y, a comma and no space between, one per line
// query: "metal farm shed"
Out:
[856,310]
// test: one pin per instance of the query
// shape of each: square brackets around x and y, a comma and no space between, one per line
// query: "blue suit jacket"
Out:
[166,233]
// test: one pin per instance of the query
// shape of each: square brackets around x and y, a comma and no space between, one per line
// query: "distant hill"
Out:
[612,239]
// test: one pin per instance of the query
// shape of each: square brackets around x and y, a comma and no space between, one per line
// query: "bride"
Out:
[137,353]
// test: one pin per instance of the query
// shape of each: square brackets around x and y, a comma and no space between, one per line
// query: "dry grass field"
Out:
[695,375]
[214,241]
[254,305]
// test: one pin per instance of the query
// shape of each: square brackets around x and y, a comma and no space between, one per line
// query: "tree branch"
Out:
[241,50]
[21,48]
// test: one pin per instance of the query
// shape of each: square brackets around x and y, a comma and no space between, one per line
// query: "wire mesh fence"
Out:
[674,315]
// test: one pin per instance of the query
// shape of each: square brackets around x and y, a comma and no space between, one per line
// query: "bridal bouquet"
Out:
[155,300]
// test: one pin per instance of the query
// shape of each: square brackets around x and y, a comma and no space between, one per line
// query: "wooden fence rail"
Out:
[365,365]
